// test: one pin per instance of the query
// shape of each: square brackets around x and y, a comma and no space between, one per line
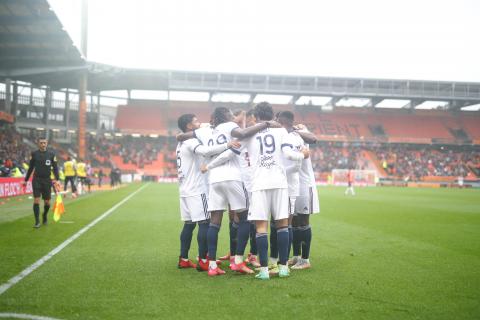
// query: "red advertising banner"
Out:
[10,187]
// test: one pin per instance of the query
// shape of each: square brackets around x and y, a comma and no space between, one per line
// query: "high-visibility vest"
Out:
[69,169]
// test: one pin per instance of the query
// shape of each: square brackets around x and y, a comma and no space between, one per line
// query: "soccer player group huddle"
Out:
[258,168]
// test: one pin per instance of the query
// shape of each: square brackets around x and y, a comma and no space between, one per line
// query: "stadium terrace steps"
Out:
[418,126]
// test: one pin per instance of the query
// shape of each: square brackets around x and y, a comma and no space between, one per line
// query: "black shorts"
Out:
[42,187]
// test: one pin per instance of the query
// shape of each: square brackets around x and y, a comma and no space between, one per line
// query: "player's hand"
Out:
[234,144]
[203,168]
[24,184]
[306,153]
[274,124]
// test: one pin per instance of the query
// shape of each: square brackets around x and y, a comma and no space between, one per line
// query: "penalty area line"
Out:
[10,283]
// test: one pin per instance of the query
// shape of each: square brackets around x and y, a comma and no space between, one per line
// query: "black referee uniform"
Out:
[41,164]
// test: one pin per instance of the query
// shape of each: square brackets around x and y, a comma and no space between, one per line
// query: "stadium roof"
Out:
[35,48]
[32,38]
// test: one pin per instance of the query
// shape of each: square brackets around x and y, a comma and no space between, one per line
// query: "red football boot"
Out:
[182,264]
[202,266]
[215,272]
[241,268]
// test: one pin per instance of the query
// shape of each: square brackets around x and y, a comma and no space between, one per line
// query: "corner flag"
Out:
[58,207]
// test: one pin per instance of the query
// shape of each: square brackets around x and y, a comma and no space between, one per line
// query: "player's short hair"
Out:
[264,111]
[41,138]
[287,115]
[184,120]
[250,113]
[221,115]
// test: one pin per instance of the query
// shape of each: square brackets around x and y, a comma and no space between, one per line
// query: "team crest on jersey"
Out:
[48,162]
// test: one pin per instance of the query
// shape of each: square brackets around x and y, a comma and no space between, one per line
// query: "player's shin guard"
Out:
[243,233]
[233,237]
[212,239]
[36,212]
[282,240]
[307,240]
[273,241]
[262,246]
[186,239]
[296,241]
[253,240]
[202,239]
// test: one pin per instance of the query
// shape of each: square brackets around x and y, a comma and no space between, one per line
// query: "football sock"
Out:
[202,240]
[290,239]
[307,240]
[296,241]
[273,241]
[233,237]
[262,246]
[36,212]
[243,234]
[212,239]
[282,239]
[45,211]
[238,259]
[253,242]
[186,239]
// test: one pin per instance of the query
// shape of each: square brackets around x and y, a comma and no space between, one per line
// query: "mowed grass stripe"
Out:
[21,245]
[365,265]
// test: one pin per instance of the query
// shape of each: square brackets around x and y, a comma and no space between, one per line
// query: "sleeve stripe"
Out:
[198,145]
[287,145]
[235,151]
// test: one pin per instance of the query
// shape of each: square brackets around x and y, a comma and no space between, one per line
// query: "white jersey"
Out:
[230,170]
[265,150]
[246,169]
[204,134]
[191,180]
[292,167]
[306,175]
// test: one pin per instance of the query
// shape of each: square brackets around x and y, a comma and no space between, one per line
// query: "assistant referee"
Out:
[42,162]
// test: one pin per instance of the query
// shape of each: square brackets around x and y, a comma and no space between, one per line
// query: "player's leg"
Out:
[203,220]
[46,195]
[37,192]
[238,199]
[273,258]
[185,242]
[232,233]
[262,246]
[252,257]
[259,213]
[212,242]
[280,212]
[304,231]
[187,204]
[217,203]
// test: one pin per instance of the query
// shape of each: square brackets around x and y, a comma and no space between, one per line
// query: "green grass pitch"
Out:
[387,253]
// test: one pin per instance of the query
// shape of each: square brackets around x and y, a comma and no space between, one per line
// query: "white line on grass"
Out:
[25,316]
[10,283]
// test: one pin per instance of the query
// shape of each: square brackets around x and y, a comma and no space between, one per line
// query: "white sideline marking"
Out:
[10,283]
[25,316]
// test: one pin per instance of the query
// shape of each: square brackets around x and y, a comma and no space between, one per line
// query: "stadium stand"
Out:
[408,144]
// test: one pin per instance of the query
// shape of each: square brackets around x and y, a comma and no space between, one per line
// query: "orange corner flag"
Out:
[58,207]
